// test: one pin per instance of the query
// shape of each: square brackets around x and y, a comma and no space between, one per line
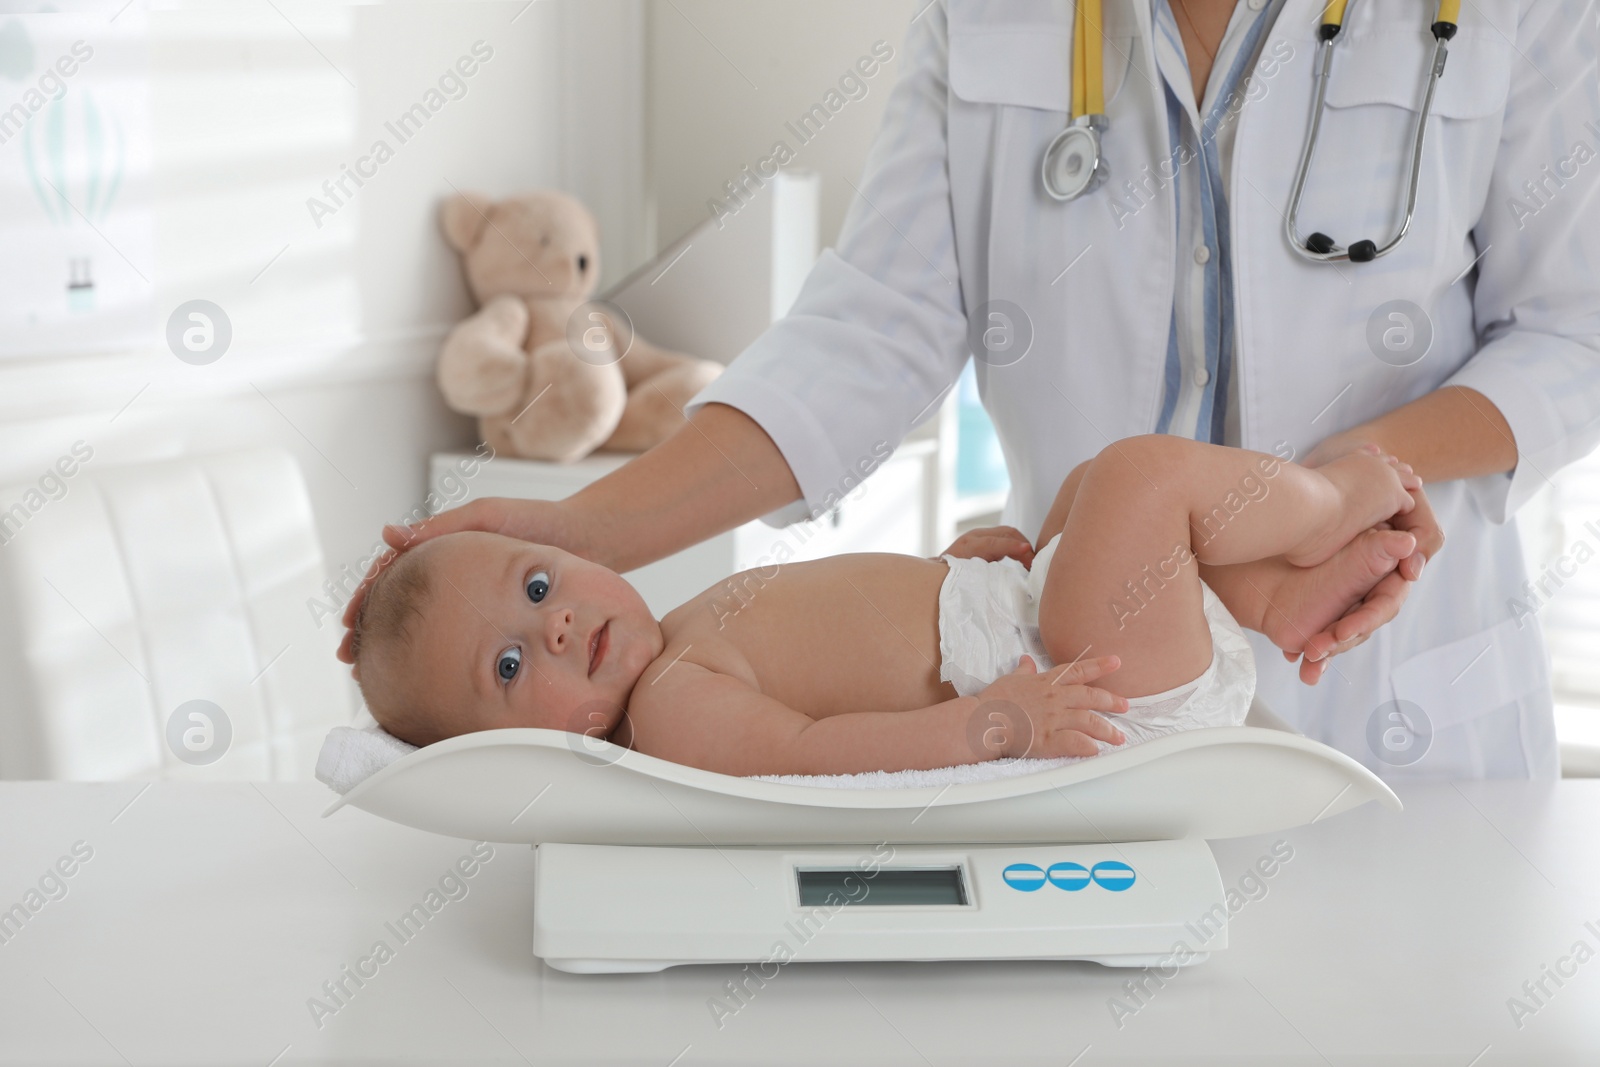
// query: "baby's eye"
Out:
[506,666]
[538,586]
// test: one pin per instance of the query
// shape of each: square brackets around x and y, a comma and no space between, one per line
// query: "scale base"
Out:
[1161,961]
[615,909]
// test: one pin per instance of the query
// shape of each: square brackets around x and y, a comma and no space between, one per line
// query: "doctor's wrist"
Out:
[1340,444]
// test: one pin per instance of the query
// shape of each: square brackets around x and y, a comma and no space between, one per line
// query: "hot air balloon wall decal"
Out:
[76,191]
[76,221]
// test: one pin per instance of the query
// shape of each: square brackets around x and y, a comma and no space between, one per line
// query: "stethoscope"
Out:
[1073,164]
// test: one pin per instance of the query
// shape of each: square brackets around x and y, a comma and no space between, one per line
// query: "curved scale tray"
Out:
[526,786]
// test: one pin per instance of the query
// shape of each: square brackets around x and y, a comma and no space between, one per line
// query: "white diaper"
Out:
[989,617]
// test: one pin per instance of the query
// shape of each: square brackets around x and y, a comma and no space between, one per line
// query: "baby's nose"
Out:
[559,630]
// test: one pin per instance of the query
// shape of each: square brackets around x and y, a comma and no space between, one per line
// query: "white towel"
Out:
[961,772]
[350,755]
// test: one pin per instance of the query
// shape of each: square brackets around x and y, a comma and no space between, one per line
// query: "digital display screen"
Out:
[928,886]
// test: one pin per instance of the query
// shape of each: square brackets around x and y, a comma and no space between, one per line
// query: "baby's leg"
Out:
[1142,516]
[1289,605]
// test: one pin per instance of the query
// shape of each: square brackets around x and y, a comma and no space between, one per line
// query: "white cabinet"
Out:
[886,513]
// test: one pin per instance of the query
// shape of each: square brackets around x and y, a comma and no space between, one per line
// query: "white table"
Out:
[209,915]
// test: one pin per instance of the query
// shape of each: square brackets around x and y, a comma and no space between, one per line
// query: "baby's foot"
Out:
[1373,487]
[1307,600]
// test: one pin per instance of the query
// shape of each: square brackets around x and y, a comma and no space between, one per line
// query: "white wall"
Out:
[334,342]
[726,75]
[336,327]
[621,102]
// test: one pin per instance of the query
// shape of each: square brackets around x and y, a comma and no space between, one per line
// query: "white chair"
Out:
[149,586]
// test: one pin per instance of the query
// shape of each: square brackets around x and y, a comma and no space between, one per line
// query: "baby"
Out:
[878,661]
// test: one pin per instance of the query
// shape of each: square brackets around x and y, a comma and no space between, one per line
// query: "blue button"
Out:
[1069,876]
[1113,875]
[1023,876]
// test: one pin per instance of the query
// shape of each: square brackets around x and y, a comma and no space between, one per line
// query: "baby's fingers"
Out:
[995,548]
[1025,665]
[1084,670]
[1064,735]
[1105,731]
[1090,698]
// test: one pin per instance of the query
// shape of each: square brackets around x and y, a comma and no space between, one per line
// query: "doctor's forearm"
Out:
[717,471]
[1453,432]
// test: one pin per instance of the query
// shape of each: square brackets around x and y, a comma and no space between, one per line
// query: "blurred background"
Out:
[217,347]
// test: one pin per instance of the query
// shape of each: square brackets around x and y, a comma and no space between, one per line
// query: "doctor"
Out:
[1168,297]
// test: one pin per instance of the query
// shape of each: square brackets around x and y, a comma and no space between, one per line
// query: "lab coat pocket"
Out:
[1390,63]
[1023,57]
[1357,184]
[1478,674]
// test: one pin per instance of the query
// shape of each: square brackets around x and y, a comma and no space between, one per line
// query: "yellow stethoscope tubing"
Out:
[1072,164]
[1333,13]
[1319,247]
[1088,55]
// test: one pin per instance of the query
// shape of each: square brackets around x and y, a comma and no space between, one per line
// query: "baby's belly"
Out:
[857,632]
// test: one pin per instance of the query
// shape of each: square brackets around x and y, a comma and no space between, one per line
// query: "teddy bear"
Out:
[549,375]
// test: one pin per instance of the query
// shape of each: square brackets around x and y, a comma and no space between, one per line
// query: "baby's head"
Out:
[478,631]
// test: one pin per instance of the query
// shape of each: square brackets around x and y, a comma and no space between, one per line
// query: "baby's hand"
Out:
[992,543]
[1026,713]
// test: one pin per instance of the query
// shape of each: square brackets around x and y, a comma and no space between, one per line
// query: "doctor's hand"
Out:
[1376,608]
[1384,600]
[1420,521]
[544,522]
[992,543]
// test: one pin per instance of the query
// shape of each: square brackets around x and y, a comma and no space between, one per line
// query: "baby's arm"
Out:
[718,722]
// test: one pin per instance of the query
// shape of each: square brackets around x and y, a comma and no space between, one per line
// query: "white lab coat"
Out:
[951,214]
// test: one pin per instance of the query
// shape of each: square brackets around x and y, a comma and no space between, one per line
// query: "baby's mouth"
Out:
[598,645]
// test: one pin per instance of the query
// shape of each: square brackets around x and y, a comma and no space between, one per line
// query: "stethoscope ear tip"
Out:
[1363,252]
[1320,244]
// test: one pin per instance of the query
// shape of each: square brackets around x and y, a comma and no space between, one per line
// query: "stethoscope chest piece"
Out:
[1073,164]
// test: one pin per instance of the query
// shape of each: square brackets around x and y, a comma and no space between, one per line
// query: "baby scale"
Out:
[642,864]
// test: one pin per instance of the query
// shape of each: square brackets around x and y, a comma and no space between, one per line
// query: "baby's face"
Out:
[518,634]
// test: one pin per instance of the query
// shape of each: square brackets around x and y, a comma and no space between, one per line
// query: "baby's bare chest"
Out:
[857,632]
